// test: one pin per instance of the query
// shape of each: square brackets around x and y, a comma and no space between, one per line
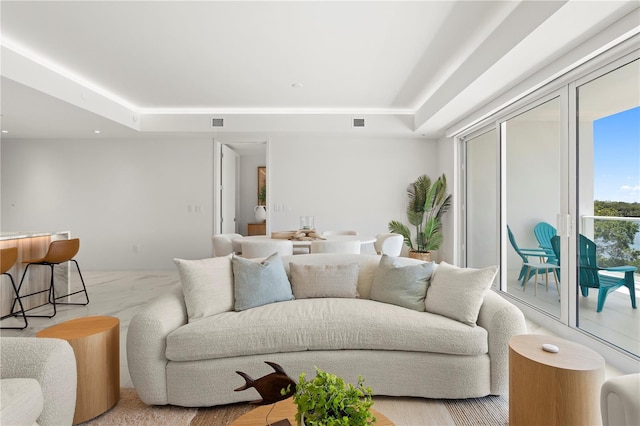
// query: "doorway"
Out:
[236,193]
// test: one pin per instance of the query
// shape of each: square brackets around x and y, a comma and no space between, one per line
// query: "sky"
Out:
[616,140]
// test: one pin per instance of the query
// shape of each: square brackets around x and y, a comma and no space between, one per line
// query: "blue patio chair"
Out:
[591,276]
[530,268]
[544,232]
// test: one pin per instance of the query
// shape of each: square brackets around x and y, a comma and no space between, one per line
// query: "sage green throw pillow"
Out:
[400,285]
[259,283]
[458,293]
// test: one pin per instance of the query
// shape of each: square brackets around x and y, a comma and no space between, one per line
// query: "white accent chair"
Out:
[223,244]
[389,243]
[38,380]
[337,246]
[619,401]
[344,232]
[264,248]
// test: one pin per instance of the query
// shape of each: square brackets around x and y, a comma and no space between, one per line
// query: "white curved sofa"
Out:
[182,355]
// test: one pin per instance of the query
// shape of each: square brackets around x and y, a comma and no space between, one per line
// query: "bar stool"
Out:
[8,257]
[59,252]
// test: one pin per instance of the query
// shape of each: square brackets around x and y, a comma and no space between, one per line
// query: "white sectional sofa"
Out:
[351,315]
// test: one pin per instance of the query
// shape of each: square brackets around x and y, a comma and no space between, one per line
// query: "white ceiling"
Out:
[150,68]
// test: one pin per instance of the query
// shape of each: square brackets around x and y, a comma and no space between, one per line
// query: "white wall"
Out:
[117,194]
[345,182]
[127,200]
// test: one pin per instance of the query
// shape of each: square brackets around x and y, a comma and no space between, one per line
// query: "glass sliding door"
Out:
[482,209]
[532,183]
[608,204]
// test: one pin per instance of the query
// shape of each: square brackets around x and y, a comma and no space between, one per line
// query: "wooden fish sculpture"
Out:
[270,385]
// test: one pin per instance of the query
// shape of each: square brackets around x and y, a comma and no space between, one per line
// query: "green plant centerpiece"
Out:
[327,400]
[427,204]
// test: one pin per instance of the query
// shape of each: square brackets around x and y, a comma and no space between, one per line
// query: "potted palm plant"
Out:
[427,204]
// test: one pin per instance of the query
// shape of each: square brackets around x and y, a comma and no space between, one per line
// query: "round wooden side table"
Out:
[96,344]
[286,409]
[547,388]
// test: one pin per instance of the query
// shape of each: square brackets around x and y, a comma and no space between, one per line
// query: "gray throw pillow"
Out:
[259,283]
[458,293]
[309,281]
[400,285]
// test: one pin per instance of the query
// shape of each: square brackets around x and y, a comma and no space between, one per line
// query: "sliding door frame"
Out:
[565,87]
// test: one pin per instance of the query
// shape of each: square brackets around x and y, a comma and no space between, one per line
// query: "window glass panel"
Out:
[532,143]
[609,206]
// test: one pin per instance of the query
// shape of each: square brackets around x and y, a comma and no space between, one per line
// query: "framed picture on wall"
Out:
[262,186]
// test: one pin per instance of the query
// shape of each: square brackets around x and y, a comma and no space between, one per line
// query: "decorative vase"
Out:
[261,213]
[426,257]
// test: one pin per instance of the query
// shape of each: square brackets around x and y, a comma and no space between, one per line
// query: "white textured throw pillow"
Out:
[458,293]
[259,283]
[207,286]
[309,281]
[402,285]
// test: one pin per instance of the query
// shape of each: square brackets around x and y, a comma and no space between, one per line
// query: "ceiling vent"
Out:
[217,122]
[358,122]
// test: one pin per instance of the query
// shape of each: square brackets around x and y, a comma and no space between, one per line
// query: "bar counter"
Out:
[31,245]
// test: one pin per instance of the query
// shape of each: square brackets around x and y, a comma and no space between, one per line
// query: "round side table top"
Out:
[571,356]
[80,327]
[286,410]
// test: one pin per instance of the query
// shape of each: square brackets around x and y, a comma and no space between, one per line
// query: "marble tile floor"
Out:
[120,294]
[111,293]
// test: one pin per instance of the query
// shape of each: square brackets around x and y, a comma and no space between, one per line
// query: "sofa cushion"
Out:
[207,285]
[21,401]
[324,280]
[458,293]
[322,324]
[368,265]
[258,283]
[402,285]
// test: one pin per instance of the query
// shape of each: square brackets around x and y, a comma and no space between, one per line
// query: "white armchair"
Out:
[223,244]
[38,381]
[263,248]
[619,401]
[389,243]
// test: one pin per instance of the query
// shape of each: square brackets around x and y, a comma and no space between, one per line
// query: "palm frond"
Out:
[401,228]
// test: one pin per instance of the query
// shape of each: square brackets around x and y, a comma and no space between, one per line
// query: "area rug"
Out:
[130,411]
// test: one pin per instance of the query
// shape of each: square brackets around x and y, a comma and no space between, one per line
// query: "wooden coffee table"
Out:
[286,410]
[96,345]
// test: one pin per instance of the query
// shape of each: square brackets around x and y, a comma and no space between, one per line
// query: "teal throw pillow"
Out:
[259,283]
[402,285]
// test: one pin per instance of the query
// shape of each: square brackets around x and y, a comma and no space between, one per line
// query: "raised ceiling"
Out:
[147,68]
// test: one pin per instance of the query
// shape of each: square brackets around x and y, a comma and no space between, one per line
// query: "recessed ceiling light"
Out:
[96,132]
[297,85]
[5,131]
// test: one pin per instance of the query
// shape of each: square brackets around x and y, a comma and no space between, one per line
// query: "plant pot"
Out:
[426,256]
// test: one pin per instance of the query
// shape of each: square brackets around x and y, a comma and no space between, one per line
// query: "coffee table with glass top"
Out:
[286,410]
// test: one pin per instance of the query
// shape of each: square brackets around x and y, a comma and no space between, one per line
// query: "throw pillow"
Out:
[259,283]
[207,285]
[308,281]
[400,285]
[458,293]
